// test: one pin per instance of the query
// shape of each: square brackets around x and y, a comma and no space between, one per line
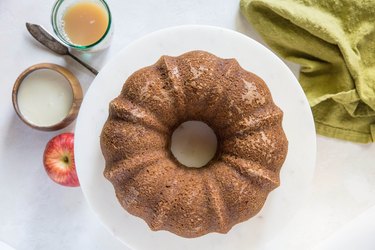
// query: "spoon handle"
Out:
[94,71]
[45,38]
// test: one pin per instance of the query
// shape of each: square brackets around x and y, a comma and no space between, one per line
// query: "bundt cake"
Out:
[151,184]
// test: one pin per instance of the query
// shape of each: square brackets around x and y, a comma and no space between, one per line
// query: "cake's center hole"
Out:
[194,144]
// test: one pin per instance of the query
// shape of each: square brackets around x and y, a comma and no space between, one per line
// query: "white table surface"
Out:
[36,213]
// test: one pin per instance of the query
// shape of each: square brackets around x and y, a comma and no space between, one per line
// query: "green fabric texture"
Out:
[334,42]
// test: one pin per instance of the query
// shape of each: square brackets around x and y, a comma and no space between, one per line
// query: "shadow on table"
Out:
[25,144]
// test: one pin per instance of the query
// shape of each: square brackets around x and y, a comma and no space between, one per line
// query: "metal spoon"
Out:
[45,38]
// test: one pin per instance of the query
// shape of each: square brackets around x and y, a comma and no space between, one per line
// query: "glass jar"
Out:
[63,8]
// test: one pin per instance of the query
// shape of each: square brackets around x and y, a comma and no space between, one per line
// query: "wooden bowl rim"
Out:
[73,83]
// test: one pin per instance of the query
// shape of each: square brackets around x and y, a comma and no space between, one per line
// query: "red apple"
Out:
[58,160]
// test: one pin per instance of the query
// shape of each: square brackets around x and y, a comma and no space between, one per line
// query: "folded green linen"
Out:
[334,42]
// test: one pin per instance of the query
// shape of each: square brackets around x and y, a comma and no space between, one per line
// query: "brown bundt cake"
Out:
[151,184]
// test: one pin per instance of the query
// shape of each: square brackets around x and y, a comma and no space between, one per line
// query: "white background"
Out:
[36,213]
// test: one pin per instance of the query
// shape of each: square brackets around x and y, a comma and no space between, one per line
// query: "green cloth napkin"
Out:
[334,42]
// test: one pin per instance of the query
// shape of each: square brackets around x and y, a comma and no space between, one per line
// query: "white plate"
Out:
[298,124]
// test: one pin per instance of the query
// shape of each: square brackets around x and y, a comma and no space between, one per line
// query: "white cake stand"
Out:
[296,174]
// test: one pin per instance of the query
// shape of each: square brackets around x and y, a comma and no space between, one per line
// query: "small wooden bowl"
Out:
[74,84]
